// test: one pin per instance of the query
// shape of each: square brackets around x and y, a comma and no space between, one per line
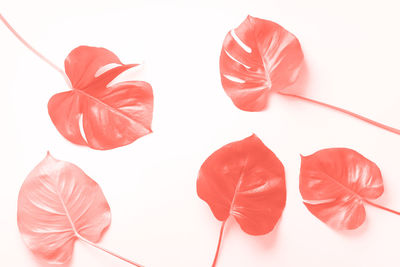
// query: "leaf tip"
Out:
[249,17]
[253,137]
[49,155]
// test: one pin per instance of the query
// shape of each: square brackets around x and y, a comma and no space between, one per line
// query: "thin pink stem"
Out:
[33,49]
[377,124]
[109,252]
[221,232]
[381,207]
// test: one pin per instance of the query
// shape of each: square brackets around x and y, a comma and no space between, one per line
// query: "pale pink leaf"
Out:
[58,204]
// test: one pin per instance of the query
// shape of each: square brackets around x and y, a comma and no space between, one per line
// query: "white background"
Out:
[352,55]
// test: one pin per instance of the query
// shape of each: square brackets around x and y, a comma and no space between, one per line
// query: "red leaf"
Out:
[112,116]
[335,183]
[58,204]
[245,180]
[257,58]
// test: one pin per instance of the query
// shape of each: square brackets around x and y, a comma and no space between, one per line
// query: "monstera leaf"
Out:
[260,57]
[110,115]
[257,58]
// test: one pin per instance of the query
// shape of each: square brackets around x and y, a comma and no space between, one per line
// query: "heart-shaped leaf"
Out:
[257,58]
[57,205]
[246,181]
[110,115]
[336,182]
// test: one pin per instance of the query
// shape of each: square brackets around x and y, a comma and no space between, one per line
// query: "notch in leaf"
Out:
[335,183]
[110,115]
[259,58]
[246,181]
[59,204]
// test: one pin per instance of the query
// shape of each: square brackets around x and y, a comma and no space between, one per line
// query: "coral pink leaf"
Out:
[336,182]
[83,62]
[58,204]
[244,180]
[257,58]
[112,115]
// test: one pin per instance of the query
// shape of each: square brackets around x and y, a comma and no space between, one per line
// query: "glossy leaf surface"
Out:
[257,58]
[58,204]
[96,113]
[336,182]
[245,180]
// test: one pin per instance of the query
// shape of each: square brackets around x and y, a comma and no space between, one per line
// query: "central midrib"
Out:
[114,110]
[238,185]
[345,187]
[68,216]
[266,69]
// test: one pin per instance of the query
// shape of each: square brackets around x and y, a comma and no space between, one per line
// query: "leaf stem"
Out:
[109,252]
[54,66]
[375,123]
[221,232]
[89,242]
[381,207]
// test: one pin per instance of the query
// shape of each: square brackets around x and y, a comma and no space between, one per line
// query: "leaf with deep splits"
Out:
[96,113]
[257,58]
